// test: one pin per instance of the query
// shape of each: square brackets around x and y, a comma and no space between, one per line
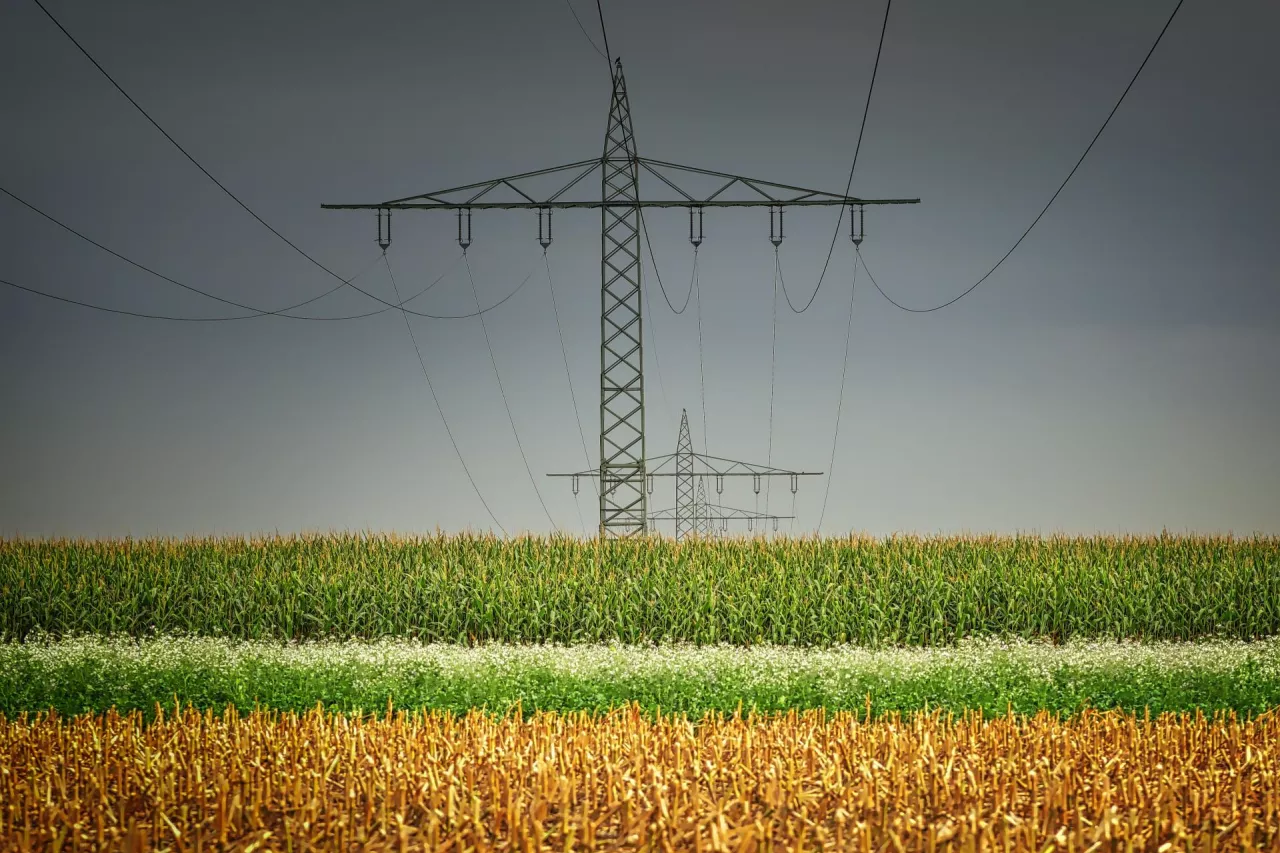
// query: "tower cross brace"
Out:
[622,467]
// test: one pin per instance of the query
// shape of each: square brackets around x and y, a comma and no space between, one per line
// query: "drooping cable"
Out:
[439,410]
[578,21]
[1052,198]
[235,198]
[505,404]
[604,32]
[654,261]
[582,436]
[645,293]
[257,312]
[844,370]
[177,319]
[773,362]
[866,109]
[182,150]
[702,378]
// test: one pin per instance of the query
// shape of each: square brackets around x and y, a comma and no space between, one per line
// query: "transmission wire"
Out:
[844,370]
[702,379]
[258,312]
[608,57]
[578,20]
[586,455]
[653,260]
[184,151]
[511,419]
[773,361]
[1053,198]
[866,109]
[234,197]
[844,367]
[423,364]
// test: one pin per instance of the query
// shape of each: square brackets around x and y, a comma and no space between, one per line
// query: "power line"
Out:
[436,400]
[1052,199]
[257,312]
[586,455]
[702,379]
[184,151]
[773,361]
[848,331]
[653,343]
[148,316]
[506,405]
[604,32]
[866,109]
[653,260]
[233,196]
[844,370]
[578,21]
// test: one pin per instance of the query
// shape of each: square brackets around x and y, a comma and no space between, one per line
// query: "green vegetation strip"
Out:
[812,592]
[92,674]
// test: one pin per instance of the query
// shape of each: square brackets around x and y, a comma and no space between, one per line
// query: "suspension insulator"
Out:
[751,525]
[575,484]
[755,482]
[719,484]
[724,523]
[544,240]
[775,231]
[649,483]
[695,237]
[384,228]
[795,483]
[856,229]
[775,525]
[464,235]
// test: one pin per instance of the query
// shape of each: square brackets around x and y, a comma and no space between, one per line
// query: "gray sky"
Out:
[1117,374]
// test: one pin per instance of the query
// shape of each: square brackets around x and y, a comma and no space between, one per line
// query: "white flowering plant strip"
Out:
[91,673]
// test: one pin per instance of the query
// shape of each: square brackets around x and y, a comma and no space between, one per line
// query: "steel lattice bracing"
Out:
[686,516]
[702,513]
[623,471]
[623,506]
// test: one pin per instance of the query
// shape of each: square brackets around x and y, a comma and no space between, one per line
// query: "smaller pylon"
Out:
[702,513]
[686,511]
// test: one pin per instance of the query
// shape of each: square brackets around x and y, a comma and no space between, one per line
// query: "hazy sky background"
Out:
[1117,374]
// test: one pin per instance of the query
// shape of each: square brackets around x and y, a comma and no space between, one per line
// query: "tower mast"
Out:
[623,506]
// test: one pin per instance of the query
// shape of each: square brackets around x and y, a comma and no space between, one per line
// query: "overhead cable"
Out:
[844,370]
[422,362]
[257,312]
[702,378]
[653,260]
[573,398]
[578,21]
[866,109]
[505,404]
[1052,198]
[848,331]
[184,151]
[773,361]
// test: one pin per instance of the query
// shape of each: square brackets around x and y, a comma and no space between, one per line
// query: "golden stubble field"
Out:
[277,781]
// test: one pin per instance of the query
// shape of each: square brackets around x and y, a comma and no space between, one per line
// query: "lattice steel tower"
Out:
[623,471]
[623,508]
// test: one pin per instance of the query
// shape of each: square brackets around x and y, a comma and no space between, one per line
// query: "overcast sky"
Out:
[1117,374]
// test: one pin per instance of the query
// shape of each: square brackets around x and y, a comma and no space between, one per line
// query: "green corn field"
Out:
[809,592]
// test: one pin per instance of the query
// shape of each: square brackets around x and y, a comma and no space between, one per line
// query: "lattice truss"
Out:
[628,183]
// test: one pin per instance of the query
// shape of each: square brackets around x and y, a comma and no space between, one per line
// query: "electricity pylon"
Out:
[623,499]
[692,514]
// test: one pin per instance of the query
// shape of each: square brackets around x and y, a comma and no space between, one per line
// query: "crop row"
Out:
[811,592]
[436,782]
[95,674]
